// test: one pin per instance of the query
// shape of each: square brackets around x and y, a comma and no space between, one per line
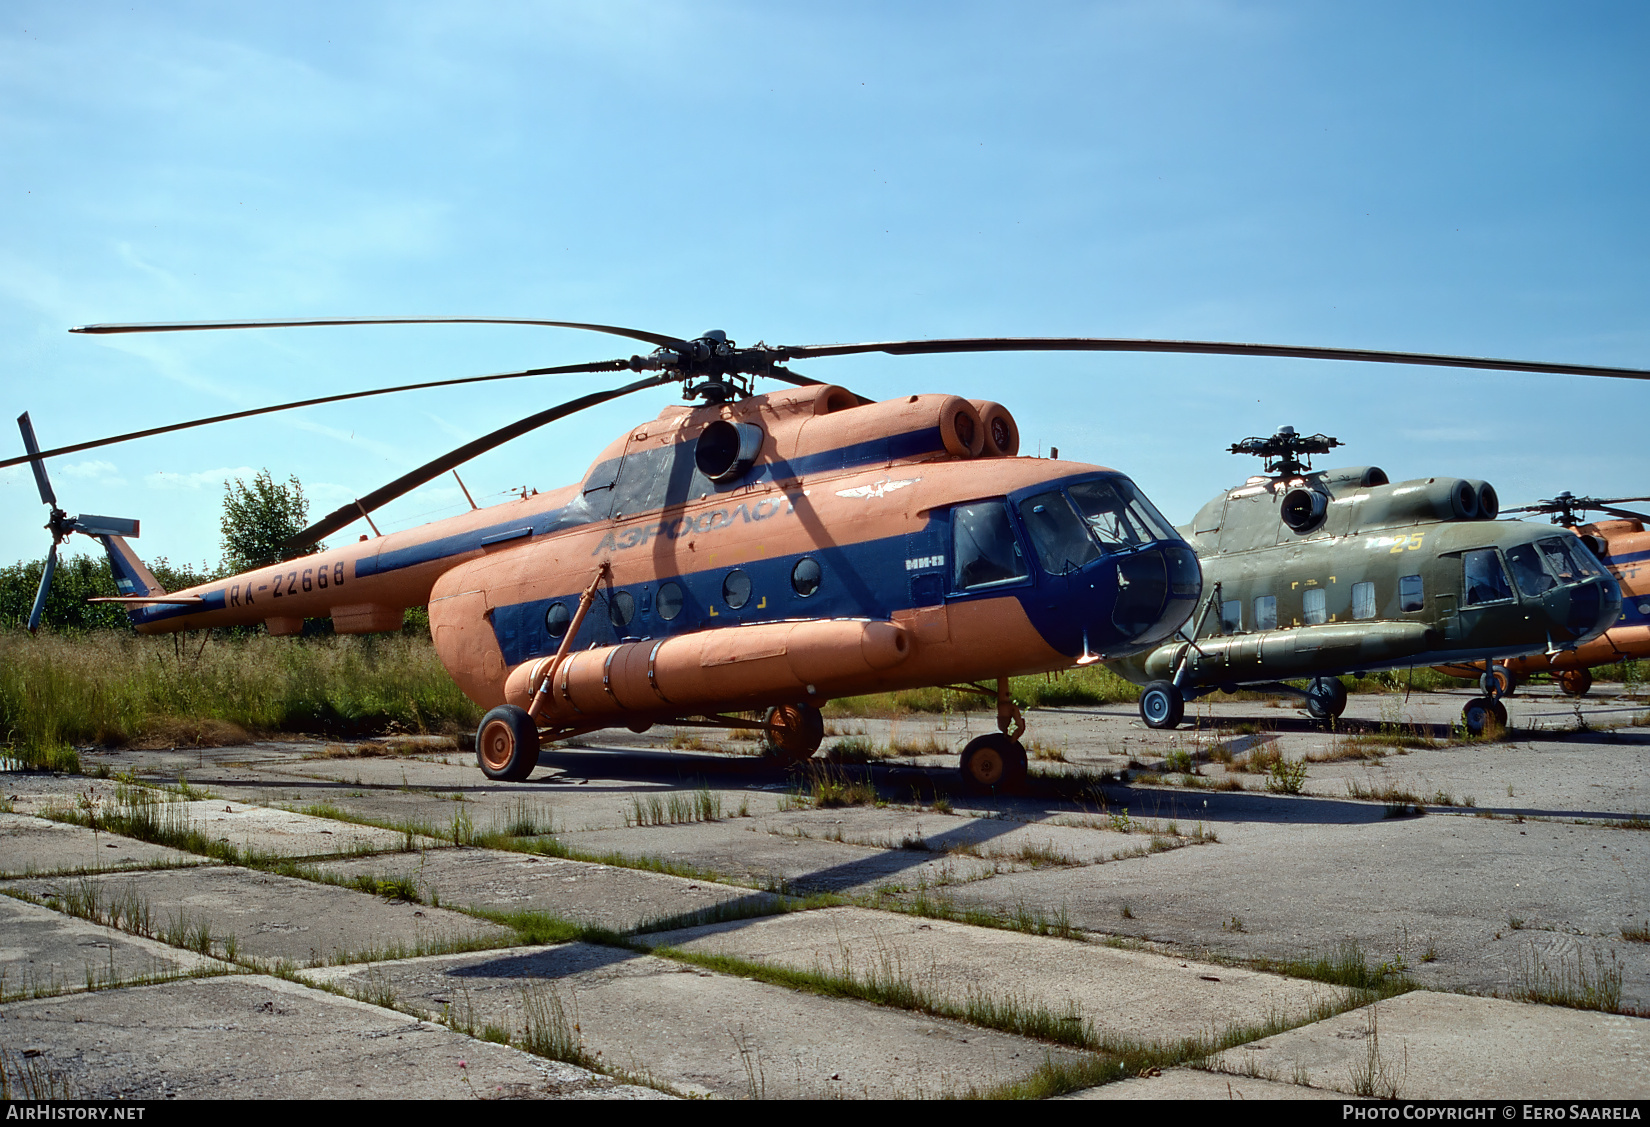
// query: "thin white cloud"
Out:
[205,479]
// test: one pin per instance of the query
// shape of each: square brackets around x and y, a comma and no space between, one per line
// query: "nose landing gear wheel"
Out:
[507,744]
[1575,682]
[1161,705]
[794,732]
[993,763]
[1480,713]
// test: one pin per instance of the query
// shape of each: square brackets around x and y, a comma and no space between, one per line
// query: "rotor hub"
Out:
[1285,449]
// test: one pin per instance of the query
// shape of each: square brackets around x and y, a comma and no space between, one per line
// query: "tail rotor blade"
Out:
[39,467]
[45,588]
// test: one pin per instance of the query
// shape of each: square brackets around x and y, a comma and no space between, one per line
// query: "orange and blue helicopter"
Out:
[756,554]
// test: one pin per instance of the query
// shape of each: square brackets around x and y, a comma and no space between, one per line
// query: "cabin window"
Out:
[1058,533]
[984,550]
[1266,612]
[1531,577]
[1363,600]
[1411,594]
[1315,606]
[805,576]
[621,608]
[1485,578]
[670,601]
[556,619]
[1231,616]
[736,589]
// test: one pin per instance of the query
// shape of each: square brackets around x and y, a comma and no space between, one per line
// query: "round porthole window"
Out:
[670,601]
[736,589]
[805,577]
[556,619]
[621,608]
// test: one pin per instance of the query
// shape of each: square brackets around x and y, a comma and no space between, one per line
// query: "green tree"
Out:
[259,518]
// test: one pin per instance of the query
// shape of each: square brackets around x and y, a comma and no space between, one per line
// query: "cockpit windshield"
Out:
[1118,515]
[1568,559]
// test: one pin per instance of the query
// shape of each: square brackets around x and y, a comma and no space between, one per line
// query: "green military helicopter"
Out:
[1308,575]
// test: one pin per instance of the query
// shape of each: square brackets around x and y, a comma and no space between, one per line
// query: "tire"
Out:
[1506,683]
[794,732]
[993,763]
[1481,714]
[1575,682]
[1326,698]
[1161,705]
[507,744]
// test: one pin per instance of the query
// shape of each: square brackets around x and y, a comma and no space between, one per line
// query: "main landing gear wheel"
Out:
[993,763]
[1162,705]
[507,744]
[1575,682]
[1480,713]
[1325,698]
[794,732]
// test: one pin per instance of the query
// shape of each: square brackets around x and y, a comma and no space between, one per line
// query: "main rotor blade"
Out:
[40,473]
[1626,514]
[348,514]
[1204,347]
[34,461]
[45,588]
[309,322]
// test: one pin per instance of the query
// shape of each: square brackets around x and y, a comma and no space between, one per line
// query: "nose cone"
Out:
[1123,603]
[1586,610]
[1156,591]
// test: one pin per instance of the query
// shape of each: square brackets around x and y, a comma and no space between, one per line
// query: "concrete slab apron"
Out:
[253,1037]
[709,1033]
[1135,994]
[1465,901]
[36,845]
[1454,1047]
[278,918]
[743,850]
[621,899]
[43,952]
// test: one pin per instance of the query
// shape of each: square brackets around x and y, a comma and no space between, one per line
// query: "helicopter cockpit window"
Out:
[1231,616]
[1363,600]
[1486,580]
[1266,612]
[1118,515]
[983,548]
[1411,594]
[1058,533]
[1532,579]
[1315,606]
[1569,564]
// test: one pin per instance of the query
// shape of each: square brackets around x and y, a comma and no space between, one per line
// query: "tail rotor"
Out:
[60,524]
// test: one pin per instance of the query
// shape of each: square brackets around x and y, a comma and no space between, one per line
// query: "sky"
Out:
[1457,178]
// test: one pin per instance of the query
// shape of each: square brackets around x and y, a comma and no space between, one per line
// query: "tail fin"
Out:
[131,576]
